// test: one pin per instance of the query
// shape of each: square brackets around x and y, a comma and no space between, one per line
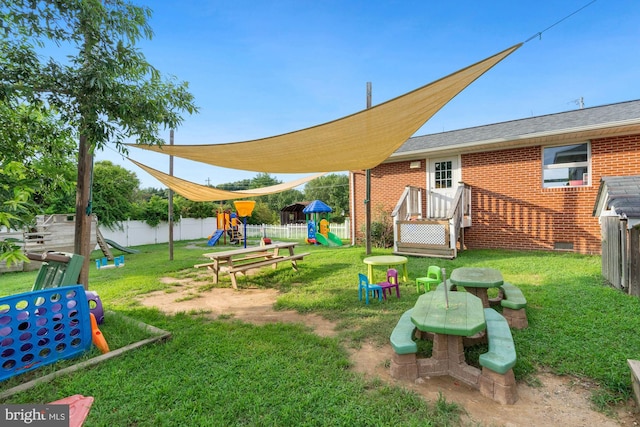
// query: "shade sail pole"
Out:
[170,201]
[367,201]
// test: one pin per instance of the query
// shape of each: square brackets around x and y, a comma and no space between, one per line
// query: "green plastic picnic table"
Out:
[477,280]
[463,316]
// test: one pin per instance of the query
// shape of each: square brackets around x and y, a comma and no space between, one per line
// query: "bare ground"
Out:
[558,401]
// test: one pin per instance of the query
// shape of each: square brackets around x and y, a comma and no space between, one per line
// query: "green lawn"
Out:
[224,372]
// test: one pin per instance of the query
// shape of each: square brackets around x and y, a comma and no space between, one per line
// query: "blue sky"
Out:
[262,68]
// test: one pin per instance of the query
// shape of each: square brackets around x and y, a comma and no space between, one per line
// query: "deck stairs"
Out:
[430,237]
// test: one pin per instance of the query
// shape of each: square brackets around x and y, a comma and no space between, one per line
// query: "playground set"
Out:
[228,224]
[317,215]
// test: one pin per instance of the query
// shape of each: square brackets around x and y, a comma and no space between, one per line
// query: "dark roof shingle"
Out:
[517,128]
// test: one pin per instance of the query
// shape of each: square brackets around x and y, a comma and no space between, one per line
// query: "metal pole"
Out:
[443,273]
[245,231]
[171,201]
[367,201]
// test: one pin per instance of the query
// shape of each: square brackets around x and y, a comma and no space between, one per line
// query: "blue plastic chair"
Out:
[366,287]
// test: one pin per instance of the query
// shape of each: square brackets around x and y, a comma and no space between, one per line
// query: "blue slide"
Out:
[215,237]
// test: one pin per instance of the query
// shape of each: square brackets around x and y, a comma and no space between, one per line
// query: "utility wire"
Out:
[539,34]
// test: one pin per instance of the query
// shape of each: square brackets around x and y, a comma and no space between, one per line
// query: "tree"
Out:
[114,189]
[274,202]
[262,214]
[156,210]
[36,138]
[333,189]
[36,156]
[15,209]
[105,91]
[191,209]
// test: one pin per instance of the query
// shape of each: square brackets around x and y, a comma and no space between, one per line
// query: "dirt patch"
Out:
[558,401]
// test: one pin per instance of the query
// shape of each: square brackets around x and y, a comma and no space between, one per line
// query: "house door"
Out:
[444,175]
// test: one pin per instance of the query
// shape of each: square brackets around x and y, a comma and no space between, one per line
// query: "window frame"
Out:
[448,175]
[568,165]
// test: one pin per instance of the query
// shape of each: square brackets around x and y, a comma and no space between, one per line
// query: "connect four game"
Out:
[41,327]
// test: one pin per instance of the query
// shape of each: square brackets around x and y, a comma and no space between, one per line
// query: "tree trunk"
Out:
[82,242]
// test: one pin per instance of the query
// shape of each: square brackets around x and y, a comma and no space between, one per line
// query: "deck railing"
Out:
[414,235]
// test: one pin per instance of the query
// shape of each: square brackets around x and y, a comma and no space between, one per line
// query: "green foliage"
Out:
[16,209]
[191,209]
[262,214]
[101,85]
[332,189]
[157,210]
[275,202]
[381,230]
[114,188]
[33,136]
[263,180]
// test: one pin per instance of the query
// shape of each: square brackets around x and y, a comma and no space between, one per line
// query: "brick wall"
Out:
[510,209]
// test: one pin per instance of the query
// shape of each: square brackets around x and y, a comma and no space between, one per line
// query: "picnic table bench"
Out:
[497,380]
[514,305]
[404,360]
[240,260]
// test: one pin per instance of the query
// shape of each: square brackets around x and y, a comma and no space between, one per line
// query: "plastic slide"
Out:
[120,247]
[215,237]
[332,239]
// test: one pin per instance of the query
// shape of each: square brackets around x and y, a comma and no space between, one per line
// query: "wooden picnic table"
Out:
[477,280]
[463,317]
[241,260]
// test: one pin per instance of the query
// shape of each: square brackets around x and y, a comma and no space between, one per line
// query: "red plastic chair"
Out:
[392,282]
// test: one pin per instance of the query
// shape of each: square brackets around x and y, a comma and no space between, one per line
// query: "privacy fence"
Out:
[136,233]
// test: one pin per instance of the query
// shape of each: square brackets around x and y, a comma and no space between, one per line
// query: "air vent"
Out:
[563,246]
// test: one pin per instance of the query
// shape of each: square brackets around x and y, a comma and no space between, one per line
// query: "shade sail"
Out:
[358,141]
[202,193]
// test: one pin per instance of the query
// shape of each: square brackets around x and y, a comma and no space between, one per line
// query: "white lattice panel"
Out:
[424,234]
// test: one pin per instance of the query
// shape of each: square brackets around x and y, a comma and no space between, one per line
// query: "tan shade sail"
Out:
[359,141]
[202,193]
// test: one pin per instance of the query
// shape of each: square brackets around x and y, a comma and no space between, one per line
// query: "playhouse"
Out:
[317,214]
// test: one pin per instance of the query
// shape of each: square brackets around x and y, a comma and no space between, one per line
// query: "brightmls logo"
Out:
[34,415]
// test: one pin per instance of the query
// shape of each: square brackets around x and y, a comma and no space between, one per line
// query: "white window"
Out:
[443,174]
[566,165]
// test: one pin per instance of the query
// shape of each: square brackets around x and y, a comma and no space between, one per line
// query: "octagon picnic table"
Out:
[449,324]
[389,261]
[477,280]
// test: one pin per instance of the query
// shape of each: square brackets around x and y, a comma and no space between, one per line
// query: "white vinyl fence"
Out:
[135,233]
[292,231]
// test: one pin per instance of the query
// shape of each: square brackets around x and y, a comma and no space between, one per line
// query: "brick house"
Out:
[523,184]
